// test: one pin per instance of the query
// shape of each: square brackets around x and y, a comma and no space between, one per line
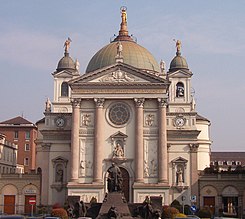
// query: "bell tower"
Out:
[180,91]
[66,70]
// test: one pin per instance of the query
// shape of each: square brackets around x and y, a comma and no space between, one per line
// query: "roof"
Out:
[125,48]
[199,117]
[133,54]
[228,156]
[16,121]
[41,121]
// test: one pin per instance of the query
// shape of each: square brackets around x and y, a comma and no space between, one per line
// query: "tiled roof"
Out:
[228,156]
[16,121]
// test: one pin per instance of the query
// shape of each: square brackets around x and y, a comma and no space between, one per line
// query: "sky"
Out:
[33,32]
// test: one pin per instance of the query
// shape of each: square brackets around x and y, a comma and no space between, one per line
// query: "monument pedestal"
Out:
[114,202]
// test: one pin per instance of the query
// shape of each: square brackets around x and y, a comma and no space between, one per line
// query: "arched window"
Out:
[180,89]
[64,89]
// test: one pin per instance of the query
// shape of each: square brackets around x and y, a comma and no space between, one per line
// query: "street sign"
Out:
[193,198]
[193,208]
[32,201]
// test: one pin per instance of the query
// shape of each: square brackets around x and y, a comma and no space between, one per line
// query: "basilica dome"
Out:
[132,53]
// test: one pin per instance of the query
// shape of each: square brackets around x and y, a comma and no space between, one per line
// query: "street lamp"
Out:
[183,206]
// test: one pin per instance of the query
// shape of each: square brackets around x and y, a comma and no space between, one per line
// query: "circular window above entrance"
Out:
[119,114]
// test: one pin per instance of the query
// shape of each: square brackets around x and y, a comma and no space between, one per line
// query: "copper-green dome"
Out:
[178,62]
[133,54]
[66,63]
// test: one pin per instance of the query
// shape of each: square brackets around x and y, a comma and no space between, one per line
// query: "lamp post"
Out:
[183,206]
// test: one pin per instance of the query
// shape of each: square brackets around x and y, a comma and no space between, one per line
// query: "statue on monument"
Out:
[114,179]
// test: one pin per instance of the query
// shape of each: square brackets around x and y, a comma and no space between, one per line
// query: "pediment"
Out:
[180,73]
[118,73]
[63,74]
[179,160]
[119,135]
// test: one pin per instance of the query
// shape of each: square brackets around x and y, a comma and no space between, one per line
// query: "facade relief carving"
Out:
[118,76]
[150,119]
[86,161]
[150,162]
[87,119]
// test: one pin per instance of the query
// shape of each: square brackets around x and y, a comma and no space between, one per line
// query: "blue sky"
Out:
[32,34]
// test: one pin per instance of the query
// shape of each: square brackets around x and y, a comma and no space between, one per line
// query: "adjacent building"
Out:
[222,185]
[23,133]
[8,155]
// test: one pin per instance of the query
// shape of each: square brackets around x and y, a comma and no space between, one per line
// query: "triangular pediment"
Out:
[180,73]
[119,73]
[119,135]
[64,74]
[179,160]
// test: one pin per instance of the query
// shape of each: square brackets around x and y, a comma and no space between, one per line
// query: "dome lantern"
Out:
[133,54]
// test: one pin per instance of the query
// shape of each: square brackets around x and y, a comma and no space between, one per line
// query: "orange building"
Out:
[23,133]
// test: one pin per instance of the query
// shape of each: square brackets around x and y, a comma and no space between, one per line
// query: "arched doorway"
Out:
[125,188]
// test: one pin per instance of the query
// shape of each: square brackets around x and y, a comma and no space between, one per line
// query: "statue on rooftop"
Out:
[67,44]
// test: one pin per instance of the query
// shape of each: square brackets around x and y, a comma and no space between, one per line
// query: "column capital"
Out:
[46,146]
[162,102]
[193,148]
[76,102]
[99,102]
[139,102]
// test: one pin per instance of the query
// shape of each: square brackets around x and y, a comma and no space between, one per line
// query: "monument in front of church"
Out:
[127,109]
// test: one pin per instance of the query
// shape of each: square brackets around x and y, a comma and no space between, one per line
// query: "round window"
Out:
[119,114]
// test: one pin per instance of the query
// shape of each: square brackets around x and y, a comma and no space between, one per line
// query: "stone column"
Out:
[98,140]
[194,170]
[75,139]
[139,143]
[45,173]
[162,142]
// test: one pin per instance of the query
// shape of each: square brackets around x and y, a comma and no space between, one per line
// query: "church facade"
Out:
[125,109]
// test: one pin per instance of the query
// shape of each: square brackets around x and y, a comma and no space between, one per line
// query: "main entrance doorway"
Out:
[125,188]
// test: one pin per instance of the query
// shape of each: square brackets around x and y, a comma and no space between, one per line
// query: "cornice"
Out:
[182,134]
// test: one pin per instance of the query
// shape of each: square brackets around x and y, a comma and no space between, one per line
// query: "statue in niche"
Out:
[59,177]
[118,151]
[179,176]
[114,179]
